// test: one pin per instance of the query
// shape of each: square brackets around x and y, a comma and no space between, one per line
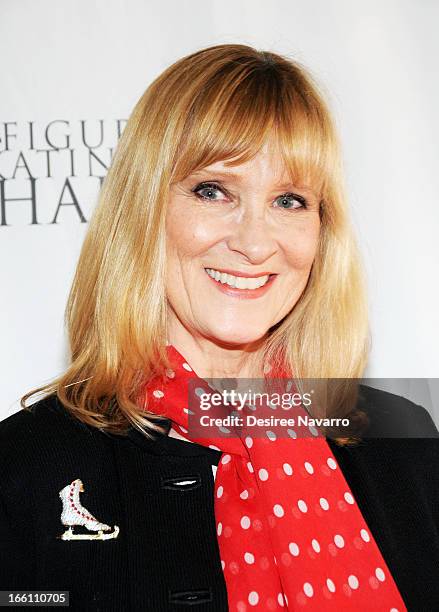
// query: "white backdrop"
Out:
[71,70]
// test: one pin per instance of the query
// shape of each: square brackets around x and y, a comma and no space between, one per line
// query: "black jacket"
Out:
[166,555]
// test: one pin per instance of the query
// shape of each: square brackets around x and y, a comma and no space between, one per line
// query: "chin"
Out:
[238,335]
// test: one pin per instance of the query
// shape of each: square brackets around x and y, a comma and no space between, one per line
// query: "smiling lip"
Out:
[243,293]
[244,274]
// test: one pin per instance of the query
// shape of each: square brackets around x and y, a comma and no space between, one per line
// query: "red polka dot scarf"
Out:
[290,533]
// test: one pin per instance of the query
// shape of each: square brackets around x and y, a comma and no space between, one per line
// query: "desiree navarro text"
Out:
[252,421]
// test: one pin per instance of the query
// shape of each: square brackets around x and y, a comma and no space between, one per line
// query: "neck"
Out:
[212,359]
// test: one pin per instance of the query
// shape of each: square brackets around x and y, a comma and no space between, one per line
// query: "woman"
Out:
[220,248]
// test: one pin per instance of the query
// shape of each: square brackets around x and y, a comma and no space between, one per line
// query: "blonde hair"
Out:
[219,103]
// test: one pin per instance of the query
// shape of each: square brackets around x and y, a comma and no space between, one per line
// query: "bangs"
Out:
[241,108]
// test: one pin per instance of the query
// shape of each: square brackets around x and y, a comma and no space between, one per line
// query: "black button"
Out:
[182,483]
[190,598]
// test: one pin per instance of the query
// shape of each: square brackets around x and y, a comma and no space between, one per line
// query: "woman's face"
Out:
[250,226]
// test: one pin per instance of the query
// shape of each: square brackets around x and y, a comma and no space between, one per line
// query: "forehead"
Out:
[267,160]
[266,167]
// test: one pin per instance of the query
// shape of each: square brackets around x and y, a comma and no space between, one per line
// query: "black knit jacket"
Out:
[166,556]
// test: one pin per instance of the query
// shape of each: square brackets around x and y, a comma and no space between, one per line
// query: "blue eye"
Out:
[287,201]
[208,191]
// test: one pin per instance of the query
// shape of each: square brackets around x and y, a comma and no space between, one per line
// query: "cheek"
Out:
[301,247]
[189,234]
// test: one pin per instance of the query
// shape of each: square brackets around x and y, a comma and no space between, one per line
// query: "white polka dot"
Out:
[187,367]
[183,428]
[330,585]
[270,435]
[250,467]
[253,598]
[245,522]
[308,590]
[291,433]
[308,467]
[339,541]
[225,459]
[223,565]
[278,510]
[286,599]
[324,503]
[157,393]
[394,610]
[199,391]
[249,558]
[263,474]
[293,548]
[315,545]
[214,447]
[219,529]
[248,442]
[348,497]
[313,430]
[353,581]
[331,463]
[380,574]
[244,494]
[364,535]
[219,491]
[280,600]
[302,506]
[287,469]
[187,411]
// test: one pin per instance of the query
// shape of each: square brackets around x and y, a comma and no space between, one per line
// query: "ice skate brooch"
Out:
[74,514]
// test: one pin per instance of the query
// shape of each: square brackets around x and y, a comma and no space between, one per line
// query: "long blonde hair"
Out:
[219,103]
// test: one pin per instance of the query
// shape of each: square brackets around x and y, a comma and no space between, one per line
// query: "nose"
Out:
[252,236]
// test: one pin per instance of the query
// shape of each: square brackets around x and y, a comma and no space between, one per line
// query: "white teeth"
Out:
[238,282]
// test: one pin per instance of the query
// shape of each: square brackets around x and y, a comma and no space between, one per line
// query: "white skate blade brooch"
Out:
[74,514]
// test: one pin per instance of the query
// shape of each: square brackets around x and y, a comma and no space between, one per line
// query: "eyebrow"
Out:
[224,174]
[219,173]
